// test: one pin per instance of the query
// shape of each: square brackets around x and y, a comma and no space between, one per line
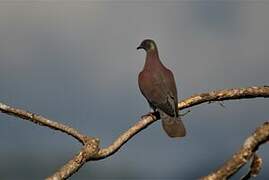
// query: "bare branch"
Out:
[251,145]
[40,120]
[221,95]
[126,136]
[91,151]
[225,94]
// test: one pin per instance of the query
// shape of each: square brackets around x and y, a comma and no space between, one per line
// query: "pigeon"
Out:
[158,86]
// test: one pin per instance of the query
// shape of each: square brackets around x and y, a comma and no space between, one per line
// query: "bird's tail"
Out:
[173,126]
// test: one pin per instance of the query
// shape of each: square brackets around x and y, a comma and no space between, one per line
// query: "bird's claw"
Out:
[153,115]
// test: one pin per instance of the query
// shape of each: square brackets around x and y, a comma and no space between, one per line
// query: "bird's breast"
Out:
[150,84]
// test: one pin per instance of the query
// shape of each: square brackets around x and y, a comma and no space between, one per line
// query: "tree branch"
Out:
[251,145]
[91,151]
[225,94]
[88,150]
[40,120]
[126,136]
[221,95]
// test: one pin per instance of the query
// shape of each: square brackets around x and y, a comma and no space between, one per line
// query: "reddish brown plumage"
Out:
[157,84]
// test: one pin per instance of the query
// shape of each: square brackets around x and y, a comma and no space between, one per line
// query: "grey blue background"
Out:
[76,62]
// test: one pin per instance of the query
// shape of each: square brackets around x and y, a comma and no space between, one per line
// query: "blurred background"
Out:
[76,62]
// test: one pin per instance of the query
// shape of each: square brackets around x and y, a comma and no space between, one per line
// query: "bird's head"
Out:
[147,45]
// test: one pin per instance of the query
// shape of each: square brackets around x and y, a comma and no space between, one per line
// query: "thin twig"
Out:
[40,120]
[225,94]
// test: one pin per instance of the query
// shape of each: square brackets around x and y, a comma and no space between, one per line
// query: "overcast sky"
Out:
[76,62]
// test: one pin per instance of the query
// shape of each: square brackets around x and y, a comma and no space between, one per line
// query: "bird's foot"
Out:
[185,113]
[153,115]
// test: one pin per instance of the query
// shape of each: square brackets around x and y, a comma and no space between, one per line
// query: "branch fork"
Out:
[91,146]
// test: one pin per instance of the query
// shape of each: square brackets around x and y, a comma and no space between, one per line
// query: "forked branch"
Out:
[91,150]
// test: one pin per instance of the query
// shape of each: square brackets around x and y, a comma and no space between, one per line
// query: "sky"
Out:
[76,62]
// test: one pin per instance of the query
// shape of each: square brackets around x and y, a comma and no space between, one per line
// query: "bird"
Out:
[157,84]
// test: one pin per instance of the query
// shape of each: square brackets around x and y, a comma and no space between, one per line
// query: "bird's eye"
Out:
[147,45]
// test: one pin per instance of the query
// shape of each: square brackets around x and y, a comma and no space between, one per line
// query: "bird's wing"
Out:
[167,106]
[160,91]
[171,89]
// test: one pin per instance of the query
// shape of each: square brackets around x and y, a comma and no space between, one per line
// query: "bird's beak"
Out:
[139,47]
